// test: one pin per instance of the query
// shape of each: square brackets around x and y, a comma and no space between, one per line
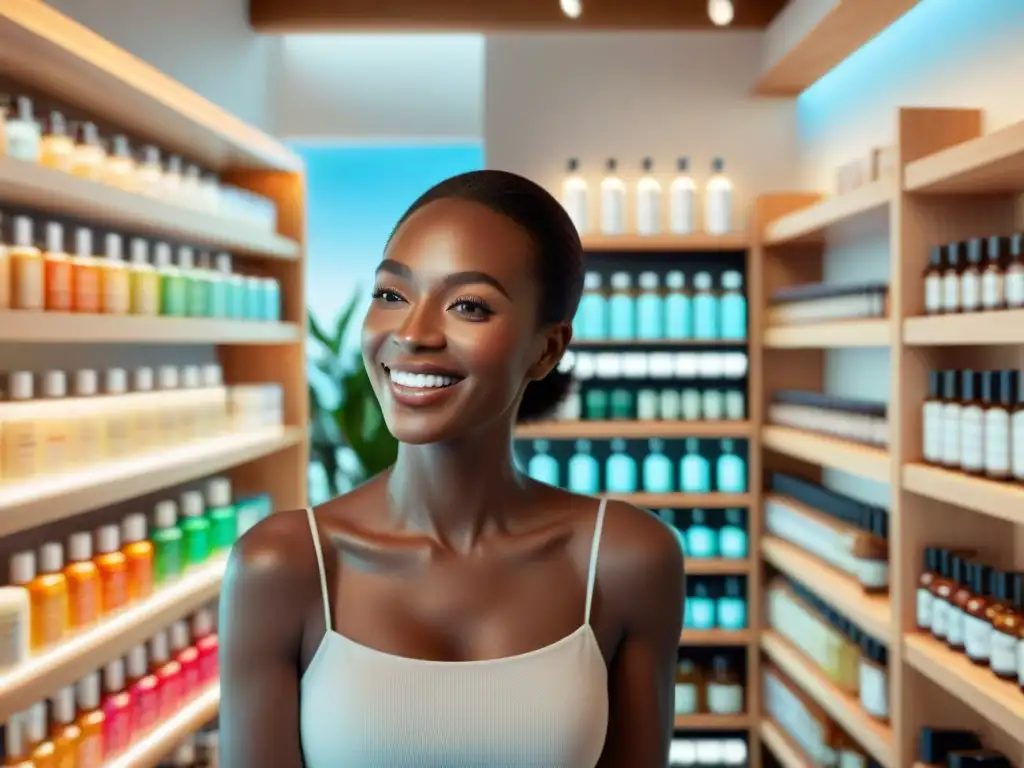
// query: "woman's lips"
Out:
[417,390]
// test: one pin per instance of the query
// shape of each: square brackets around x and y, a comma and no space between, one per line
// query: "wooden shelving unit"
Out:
[1001,500]
[696,243]
[69,328]
[715,637]
[150,750]
[716,566]
[973,329]
[632,430]
[713,722]
[782,748]
[854,458]
[843,334]
[809,224]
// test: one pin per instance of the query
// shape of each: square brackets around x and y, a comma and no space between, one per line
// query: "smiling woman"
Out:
[452,611]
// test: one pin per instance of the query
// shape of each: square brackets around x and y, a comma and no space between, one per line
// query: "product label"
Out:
[612,213]
[874,690]
[686,699]
[681,218]
[118,435]
[648,212]
[58,284]
[115,291]
[21,450]
[22,144]
[940,612]
[1003,658]
[1014,285]
[924,609]
[977,638]
[871,573]
[951,293]
[992,295]
[26,282]
[997,442]
[87,288]
[712,404]
[970,292]
[955,627]
[575,202]
[933,295]
[725,699]
[951,435]
[1017,449]
[13,641]
[932,437]
[972,437]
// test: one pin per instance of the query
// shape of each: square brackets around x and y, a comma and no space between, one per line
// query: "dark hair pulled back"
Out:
[559,258]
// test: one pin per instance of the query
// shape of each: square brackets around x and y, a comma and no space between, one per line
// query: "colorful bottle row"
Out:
[688,404]
[710,534]
[655,365]
[979,275]
[715,603]
[150,280]
[713,689]
[103,713]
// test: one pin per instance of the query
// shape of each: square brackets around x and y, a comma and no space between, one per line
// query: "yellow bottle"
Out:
[57,148]
[90,158]
[21,432]
[84,411]
[117,414]
[27,281]
[5,268]
[138,551]
[58,450]
[44,751]
[85,275]
[65,732]
[145,281]
[143,406]
[48,596]
[115,285]
[167,381]
[16,745]
[120,167]
[85,592]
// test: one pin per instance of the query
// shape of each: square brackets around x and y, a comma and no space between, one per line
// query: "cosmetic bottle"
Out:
[65,732]
[116,414]
[185,282]
[613,201]
[91,720]
[941,589]
[678,307]
[85,596]
[1014,383]
[139,554]
[167,415]
[700,607]
[995,403]
[55,429]
[144,279]
[701,541]
[956,612]
[113,567]
[873,680]
[58,270]
[682,200]
[622,308]
[23,133]
[191,181]
[21,433]
[718,201]
[993,293]
[970,277]
[144,688]
[574,195]
[253,297]
[648,406]
[977,629]
[669,405]
[730,470]
[16,743]
[119,169]
[688,692]
[187,656]
[933,291]
[733,542]
[149,171]
[972,425]
[583,470]
[657,468]
[144,411]
[90,158]
[170,186]
[197,294]
[1007,626]
[951,278]
[173,295]
[621,404]
[167,538]
[85,274]
[195,529]
[189,403]
[705,308]
[1013,275]
[620,469]
[117,710]
[724,688]
[596,404]
[48,593]
[57,148]
[694,469]
[15,620]
[115,284]
[206,642]
[650,308]
[932,420]
[219,286]
[28,282]
[221,513]
[731,608]
[168,671]
[5,256]
[235,285]
[44,752]
[733,306]
[648,201]
[951,419]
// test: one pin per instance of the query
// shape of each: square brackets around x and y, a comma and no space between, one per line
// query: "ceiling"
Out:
[496,15]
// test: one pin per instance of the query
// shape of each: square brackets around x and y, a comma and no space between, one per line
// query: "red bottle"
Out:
[117,707]
[187,655]
[144,687]
[168,672]
[205,639]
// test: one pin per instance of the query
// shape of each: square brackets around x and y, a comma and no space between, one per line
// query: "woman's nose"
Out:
[421,328]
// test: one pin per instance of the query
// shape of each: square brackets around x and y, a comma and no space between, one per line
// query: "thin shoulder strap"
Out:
[595,547]
[320,566]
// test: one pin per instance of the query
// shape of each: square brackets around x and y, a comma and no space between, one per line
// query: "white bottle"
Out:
[144,407]
[20,428]
[214,411]
[613,201]
[189,403]
[648,201]
[574,196]
[167,397]
[682,201]
[23,132]
[718,201]
[14,615]
[117,414]
[931,420]
[951,420]
[972,425]
[57,433]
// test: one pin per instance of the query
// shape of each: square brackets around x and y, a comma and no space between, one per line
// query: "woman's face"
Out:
[451,338]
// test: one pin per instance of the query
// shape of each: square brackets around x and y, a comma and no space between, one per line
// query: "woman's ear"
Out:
[555,340]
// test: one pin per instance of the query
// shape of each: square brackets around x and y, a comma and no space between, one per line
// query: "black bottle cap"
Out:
[683,164]
[953,254]
[945,562]
[981,578]
[974,250]
[950,385]
[935,385]
[573,165]
[935,256]
[931,559]
[611,164]
[991,387]
[996,247]
[1017,245]
[969,385]
[647,164]
[935,744]
[999,585]
[1017,387]
[977,758]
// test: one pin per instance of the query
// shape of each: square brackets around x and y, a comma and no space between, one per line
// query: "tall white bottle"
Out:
[682,208]
[574,196]
[718,201]
[613,201]
[648,201]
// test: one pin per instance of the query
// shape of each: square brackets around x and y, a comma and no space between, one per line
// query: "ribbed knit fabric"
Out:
[363,708]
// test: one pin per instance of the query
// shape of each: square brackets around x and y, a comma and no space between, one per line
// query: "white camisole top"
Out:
[363,708]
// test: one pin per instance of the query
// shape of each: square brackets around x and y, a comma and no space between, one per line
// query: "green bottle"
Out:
[199,285]
[220,286]
[195,529]
[173,295]
[167,543]
[253,298]
[222,515]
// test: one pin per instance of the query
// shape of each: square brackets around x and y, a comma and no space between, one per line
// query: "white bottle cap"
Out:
[22,568]
[133,528]
[79,547]
[732,280]
[55,384]
[23,234]
[137,662]
[166,514]
[202,622]
[218,492]
[180,636]
[190,377]
[54,237]
[108,539]
[621,281]
[213,375]
[223,262]
[186,257]
[192,504]
[675,279]
[159,651]
[162,255]
[64,705]
[86,382]
[83,241]
[702,281]
[168,376]
[21,385]
[114,247]
[150,155]
[117,381]
[113,676]
[592,281]
[35,722]
[173,165]
[648,281]
[88,692]
[51,557]
[140,251]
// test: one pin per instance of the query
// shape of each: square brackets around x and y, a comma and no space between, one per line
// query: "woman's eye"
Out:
[386,295]
[475,310]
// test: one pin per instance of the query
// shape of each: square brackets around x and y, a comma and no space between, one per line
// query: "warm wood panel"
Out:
[1002,500]
[712,722]
[696,243]
[714,637]
[716,566]
[684,500]
[788,754]
[809,225]
[832,335]
[863,460]
[150,750]
[993,163]
[631,430]
[968,329]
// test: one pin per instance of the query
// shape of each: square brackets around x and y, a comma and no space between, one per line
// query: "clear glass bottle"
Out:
[574,196]
[682,200]
[648,201]
[23,133]
[57,147]
[613,201]
[90,158]
[120,170]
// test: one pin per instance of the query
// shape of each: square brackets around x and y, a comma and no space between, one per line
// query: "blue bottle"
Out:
[730,470]
[700,608]
[543,467]
[731,606]
[733,307]
[620,470]
[591,321]
[701,541]
[705,308]
[583,470]
[650,308]
[694,469]
[733,542]
[622,308]
[657,469]
[678,307]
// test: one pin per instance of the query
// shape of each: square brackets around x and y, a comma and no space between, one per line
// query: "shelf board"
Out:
[30,327]
[696,243]
[832,335]
[150,750]
[683,500]
[845,709]
[872,613]
[715,637]
[832,453]
[38,501]
[712,722]
[808,225]
[50,51]
[989,164]
[88,650]
[786,753]
[716,566]
[1002,500]
[999,701]
[631,430]
[668,345]
[968,329]
[30,185]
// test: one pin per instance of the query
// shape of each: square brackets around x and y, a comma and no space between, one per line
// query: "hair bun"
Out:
[543,396]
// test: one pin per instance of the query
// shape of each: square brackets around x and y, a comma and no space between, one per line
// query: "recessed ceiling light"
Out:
[572,8]
[721,12]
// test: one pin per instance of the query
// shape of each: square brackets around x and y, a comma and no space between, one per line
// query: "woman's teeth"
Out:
[421,380]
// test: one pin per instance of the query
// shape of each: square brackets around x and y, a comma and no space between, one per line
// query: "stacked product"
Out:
[957,749]
[708,752]
[862,421]
[709,686]
[979,275]
[822,302]
[716,603]
[710,534]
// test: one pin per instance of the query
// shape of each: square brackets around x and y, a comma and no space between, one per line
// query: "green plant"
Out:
[354,419]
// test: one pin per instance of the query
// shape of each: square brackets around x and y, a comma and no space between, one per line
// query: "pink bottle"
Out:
[117,707]
[205,639]
[168,672]
[188,656]
[144,687]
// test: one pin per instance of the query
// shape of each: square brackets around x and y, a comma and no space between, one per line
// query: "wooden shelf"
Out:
[871,613]
[996,700]
[1002,500]
[808,225]
[833,335]
[716,566]
[150,750]
[986,165]
[830,452]
[845,709]
[696,243]
[90,649]
[969,329]
[48,50]
[659,345]
[632,430]
[35,502]
[715,637]
[55,192]
[712,722]
[788,754]
[71,328]
[683,500]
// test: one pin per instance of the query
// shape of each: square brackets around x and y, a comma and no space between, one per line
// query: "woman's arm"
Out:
[644,584]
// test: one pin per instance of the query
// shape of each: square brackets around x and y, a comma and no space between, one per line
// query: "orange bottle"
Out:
[16,746]
[113,566]
[57,270]
[48,597]
[91,721]
[65,732]
[44,751]
[138,551]
[84,585]
[85,274]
